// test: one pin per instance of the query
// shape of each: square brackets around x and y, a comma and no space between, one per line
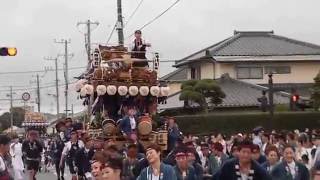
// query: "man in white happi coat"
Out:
[17,163]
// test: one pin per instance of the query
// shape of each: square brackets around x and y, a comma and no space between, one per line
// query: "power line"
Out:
[34,88]
[28,85]
[111,33]
[133,13]
[57,82]
[88,23]
[61,85]
[157,17]
[38,71]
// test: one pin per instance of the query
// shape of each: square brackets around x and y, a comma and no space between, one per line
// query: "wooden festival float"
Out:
[36,121]
[115,81]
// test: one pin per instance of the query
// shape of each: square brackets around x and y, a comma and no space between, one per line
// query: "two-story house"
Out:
[248,57]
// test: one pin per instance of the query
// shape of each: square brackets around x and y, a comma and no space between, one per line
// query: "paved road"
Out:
[51,175]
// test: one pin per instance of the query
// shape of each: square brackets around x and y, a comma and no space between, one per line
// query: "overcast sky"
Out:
[32,25]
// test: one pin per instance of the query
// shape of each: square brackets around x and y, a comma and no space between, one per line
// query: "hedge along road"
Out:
[234,122]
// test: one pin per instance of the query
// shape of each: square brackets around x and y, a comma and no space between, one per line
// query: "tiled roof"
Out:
[179,74]
[238,94]
[255,43]
[264,44]
[202,52]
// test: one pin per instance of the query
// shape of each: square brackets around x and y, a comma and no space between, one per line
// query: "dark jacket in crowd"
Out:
[267,167]
[166,172]
[198,170]
[56,148]
[230,171]
[32,150]
[281,171]
[262,159]
[191,174]
[82,160]
[173,137]
[170,159]
[140,148]
[215,174]
[125,125]
[224,158]
[128,168]
[67,134]
[143,163]
[213,166]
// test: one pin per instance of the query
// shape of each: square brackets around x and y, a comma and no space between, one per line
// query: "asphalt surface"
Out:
[51,175]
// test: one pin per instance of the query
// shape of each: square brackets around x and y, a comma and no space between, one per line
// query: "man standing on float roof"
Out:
[138,49]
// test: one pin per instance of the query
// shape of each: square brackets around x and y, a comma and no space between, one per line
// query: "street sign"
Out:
[26,96]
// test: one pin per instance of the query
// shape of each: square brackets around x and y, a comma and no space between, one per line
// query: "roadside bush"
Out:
[245,122]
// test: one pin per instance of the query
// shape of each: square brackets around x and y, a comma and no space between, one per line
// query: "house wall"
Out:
[223,68]
[207,70]
[197,66]
[189,73]
[174,87]
[300,72]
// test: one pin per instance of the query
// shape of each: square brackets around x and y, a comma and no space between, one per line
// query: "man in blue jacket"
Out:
[183,170]
[156,170]
[56,148]
[289,168]
[243,167]
[128,123]
[173,133]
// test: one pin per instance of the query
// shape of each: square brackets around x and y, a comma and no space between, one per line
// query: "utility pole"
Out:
[11,109]
[271,107]
[120,24]
[72,111]
[57,82]
[66,55]
[89,40]
[88,23]
[38,99]
[38,92]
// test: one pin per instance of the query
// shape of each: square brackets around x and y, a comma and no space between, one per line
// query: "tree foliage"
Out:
[315,92]
[199,91]
[18,118]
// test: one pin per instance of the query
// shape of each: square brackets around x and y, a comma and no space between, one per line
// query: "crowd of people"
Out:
[257,155]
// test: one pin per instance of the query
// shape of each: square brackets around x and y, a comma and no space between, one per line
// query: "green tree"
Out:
[4,121]
[18,118]
[199,91]
[315,93]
